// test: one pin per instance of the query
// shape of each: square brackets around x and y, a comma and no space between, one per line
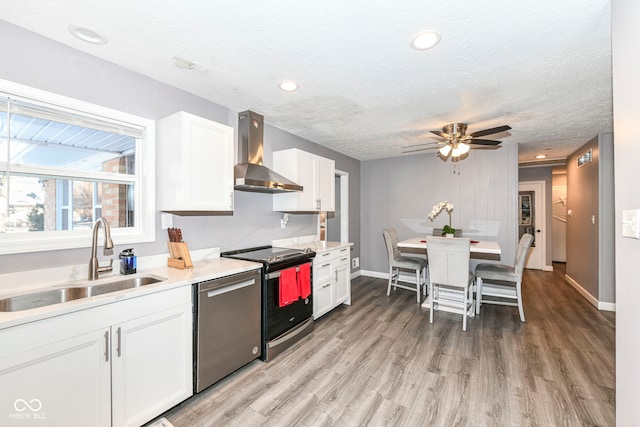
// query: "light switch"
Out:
[631,223]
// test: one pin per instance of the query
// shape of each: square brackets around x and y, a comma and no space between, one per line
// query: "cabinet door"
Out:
[343,280]
[316,175]
[207,165]
[195,164]
[323,297]
[66,383]
[326,192]
[151,365]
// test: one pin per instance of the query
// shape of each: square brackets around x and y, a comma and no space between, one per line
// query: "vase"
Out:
[449,235]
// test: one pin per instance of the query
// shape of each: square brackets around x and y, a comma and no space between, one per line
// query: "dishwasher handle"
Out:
[230,288]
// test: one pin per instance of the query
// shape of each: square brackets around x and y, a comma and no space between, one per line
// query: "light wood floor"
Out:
[380,362]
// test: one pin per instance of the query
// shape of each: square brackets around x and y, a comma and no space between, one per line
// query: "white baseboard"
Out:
[605,306]
[375,274]
[547,268]
[355,274]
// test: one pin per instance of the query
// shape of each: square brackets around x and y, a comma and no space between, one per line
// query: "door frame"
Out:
[539,187]
[344,205]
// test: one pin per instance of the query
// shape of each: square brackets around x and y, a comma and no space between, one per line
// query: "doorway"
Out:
[338,221]
[531,219]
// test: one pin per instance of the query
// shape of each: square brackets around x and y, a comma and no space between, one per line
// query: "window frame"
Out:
[143,180]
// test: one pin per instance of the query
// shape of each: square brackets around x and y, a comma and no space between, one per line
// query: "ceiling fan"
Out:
[457,142]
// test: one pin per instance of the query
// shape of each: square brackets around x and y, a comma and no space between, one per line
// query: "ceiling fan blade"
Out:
[423,144]
[489,131]
[483,142]
[421,149]
[441,134]
[484,147]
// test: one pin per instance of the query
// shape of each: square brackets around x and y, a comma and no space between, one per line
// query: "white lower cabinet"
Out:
[119,364]
[331,280]
[150,369]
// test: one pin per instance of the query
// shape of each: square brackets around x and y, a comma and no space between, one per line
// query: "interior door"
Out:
[531,219]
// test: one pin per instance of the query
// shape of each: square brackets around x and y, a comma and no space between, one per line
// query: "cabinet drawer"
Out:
[321,271]
[333,253]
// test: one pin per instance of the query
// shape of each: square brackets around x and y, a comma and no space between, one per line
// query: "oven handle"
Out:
[276,274]
[231,288]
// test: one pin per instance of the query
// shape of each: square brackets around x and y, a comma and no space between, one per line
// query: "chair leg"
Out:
[519,295]
[431,296]
[464,311]
[425,283]
[390,280]
[478,294]
[418,284]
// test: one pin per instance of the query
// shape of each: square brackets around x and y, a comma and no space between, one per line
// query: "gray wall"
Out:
[590,243]
[57,68]
[400,192]
[542,174]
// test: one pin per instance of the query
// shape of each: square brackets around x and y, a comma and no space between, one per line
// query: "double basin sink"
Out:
[57,296]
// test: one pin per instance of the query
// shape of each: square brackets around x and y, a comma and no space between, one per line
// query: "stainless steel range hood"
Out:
[250,174]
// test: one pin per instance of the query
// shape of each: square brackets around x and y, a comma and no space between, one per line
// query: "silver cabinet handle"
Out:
[318,204]
[106,346]
[119,348]
[326,265]
[231,200]
[326,286]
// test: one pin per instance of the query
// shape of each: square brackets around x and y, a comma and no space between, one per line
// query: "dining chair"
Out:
[449,269]
[399,262]
[508,278]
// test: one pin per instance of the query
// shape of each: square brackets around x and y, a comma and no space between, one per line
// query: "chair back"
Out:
[521,253]
[449,260]
[391,241]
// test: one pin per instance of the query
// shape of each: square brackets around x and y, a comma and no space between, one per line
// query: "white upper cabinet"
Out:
[194,165]
[316,175]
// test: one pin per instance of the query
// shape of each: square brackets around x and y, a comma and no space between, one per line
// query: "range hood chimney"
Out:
[249,173]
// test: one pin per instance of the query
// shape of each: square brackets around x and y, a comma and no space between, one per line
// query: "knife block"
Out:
[179,256]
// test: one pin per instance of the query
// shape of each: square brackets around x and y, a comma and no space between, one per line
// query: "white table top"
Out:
[481,247]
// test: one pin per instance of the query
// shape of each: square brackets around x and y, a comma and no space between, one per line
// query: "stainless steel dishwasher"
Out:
[228,326]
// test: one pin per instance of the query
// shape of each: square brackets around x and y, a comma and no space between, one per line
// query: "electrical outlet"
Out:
[355,262]
[631,223]
[167,220]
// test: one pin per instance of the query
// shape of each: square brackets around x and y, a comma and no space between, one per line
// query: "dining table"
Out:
[484,249]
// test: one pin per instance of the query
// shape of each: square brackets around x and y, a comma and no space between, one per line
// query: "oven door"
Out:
[281,319]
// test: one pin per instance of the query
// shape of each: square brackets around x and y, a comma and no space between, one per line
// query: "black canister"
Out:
[127,262]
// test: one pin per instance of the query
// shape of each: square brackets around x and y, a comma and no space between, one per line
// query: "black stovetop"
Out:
[272,258]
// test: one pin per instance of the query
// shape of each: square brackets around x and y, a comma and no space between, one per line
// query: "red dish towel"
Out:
[288,287]
[304,280]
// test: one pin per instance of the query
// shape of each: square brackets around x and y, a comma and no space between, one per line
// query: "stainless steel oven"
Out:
[281,326]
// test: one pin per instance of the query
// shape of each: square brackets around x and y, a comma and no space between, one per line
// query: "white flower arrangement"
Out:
[439,207]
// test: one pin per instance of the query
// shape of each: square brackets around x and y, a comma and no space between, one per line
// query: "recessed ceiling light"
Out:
[425,40]
[288,86]
[86,34]
[541,156]
[182,63]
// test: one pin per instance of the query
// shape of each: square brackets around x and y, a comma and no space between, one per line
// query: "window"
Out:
[63,164]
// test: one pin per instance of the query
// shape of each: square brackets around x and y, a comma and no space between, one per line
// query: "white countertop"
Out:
[203,269]
[310,241]
[320,247]
[477,246]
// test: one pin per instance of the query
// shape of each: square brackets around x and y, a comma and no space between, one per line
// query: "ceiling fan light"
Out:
[460,149]
[444,151]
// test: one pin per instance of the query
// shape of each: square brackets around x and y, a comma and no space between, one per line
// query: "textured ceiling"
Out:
[543,67]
